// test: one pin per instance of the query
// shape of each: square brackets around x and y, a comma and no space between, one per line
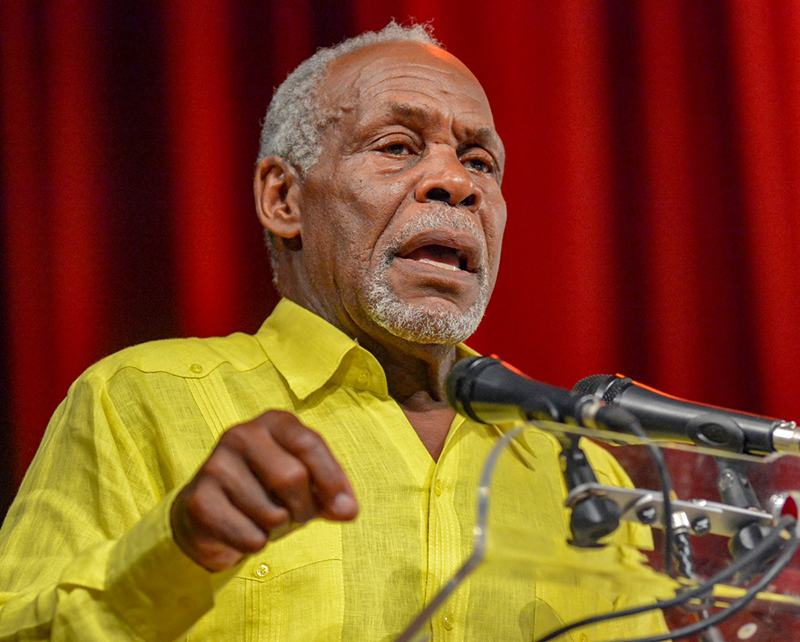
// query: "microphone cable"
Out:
[666,490]
[633,426]
[486,388]
[786,523]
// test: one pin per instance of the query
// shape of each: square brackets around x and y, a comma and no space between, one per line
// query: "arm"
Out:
[87,548]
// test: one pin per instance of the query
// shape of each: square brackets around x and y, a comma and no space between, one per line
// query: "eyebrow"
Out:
[486,136]
[408,111]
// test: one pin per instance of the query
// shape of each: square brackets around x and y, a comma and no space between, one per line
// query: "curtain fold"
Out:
[766,57]
[200,96]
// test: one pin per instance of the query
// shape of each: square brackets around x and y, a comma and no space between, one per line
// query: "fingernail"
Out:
[344,504]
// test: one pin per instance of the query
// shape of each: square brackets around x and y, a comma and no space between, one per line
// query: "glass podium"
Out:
[520,585]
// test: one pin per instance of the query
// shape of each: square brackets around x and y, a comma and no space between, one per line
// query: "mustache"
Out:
[438,218]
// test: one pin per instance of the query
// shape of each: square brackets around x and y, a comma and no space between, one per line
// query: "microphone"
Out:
[669,418]
[491,392]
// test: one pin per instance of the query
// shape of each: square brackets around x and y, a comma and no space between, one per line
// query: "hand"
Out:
[264,477]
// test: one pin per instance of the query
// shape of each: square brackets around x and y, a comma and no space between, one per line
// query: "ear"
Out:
[277,187]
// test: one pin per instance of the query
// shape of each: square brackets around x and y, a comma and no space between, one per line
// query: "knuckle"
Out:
[279,415]
[275,518]
[197,509]
[253,542]
[215,468]
[308,442]
[292,476]
[278,419]
[234,438]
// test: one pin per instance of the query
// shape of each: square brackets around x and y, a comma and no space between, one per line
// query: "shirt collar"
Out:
[305,348]
[308,351]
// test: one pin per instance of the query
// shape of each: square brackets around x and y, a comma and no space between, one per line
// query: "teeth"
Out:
[440,265]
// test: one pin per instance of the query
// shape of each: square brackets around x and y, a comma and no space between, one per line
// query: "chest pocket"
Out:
[292,590]
[559,604]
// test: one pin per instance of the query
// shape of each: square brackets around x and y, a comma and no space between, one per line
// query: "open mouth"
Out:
[440,256]
[450,250]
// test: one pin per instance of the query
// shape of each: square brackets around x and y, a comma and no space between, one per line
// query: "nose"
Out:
[447,180]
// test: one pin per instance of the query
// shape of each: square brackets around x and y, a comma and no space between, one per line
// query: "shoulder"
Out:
[191,358]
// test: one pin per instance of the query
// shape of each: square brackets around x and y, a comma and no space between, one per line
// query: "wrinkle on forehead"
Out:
[370,82]
[356,81]
[419,113]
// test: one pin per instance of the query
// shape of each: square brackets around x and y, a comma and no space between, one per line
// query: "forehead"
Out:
[405,76]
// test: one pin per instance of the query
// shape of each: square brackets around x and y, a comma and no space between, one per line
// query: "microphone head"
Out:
[606,387]
[489,391]
[460,383]
[589,385]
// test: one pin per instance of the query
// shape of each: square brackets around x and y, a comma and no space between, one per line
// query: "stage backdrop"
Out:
[653,186]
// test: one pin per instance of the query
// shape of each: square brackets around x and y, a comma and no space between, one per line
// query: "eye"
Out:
[397,149]
[479,162]
[396,145]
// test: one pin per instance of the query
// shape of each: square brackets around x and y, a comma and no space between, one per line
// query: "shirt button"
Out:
[584,638]
[362,377]
[448,622]
[196,368]
[262,570]
[437,487]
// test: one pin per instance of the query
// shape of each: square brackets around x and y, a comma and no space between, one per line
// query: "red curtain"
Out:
[653,186]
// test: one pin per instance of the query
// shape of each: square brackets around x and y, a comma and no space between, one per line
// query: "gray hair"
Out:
[293,124]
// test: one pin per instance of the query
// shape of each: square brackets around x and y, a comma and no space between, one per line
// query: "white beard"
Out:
[417,322]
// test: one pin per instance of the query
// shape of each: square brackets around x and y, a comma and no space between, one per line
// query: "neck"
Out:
[416,381]
[415,373]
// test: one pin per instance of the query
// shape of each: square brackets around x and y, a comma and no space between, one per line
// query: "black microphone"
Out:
[669,418]
[489,391]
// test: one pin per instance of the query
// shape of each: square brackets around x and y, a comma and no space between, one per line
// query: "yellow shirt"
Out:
[86,551]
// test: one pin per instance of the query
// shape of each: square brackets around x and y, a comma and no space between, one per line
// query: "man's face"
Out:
[402,215]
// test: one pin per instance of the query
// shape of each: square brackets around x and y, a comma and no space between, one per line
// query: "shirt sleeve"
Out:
[86,549]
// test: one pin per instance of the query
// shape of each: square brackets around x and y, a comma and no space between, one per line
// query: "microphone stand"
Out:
[594,516]
[735,490]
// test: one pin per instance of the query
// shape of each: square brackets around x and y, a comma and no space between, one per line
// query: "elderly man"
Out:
[308,482]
